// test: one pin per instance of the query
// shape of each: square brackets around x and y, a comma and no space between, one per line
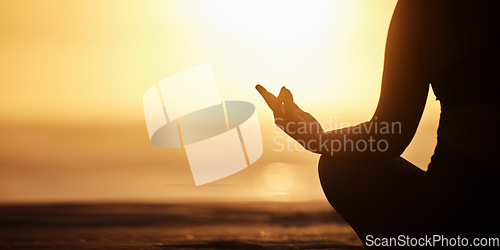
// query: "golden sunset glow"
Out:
[73,73]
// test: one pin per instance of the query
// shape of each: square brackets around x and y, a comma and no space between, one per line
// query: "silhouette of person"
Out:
[454,47]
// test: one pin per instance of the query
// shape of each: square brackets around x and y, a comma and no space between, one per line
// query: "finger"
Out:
[280,97]
[288,103]
[289,112]
[269,98]
[287,95]
[271,101]
[283,96]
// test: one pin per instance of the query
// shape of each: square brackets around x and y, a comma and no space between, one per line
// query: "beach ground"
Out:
[247,225]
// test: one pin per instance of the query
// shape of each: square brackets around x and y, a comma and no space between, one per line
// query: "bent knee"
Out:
[331,169]
[336,174]
[347,177]
[342,184]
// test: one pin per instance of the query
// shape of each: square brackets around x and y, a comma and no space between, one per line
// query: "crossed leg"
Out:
[375,197]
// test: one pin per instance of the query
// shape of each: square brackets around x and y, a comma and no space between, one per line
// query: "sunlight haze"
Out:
[73,74]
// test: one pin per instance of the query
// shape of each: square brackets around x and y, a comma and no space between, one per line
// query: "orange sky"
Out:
[73,73]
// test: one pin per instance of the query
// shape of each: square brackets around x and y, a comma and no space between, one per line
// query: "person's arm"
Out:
[402,101]
[403,92]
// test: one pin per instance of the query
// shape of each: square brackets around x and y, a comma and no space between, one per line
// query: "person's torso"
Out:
[460,57]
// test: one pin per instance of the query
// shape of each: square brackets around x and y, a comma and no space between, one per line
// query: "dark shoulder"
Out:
[451,30]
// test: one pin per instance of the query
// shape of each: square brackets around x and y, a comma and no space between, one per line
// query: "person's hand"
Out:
[299,125]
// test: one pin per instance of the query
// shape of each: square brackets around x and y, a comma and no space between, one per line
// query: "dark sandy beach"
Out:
[247,225]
